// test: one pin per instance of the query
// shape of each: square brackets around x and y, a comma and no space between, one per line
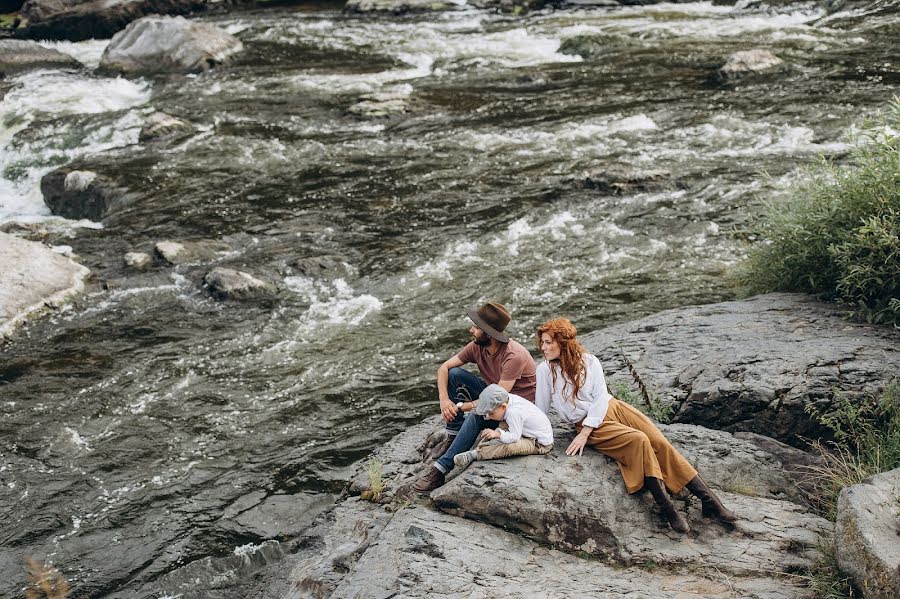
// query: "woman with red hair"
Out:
[572,380]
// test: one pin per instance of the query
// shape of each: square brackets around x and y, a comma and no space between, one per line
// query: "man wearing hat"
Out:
[500,360]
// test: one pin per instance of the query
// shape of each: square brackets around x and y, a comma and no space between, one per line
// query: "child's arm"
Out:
[514,421]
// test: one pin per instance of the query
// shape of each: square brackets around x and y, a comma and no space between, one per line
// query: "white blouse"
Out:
[593,397]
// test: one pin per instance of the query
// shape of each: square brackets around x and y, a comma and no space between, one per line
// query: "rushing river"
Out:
[158,443]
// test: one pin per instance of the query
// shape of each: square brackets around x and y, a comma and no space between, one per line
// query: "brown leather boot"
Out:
[433,479]
[712,507]
[676,520]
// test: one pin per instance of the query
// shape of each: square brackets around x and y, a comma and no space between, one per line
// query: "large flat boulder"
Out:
[360,550]
[868,535]
[23,55]
[495,521]
[34,278]
[755,365]
[78,20]
[168,45]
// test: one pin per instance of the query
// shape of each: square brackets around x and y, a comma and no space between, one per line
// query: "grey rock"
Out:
[30,231]
[168,45]
[621,182]
[753,365]
[22,55]
[76,194]
[748,62]
[580,504]
[868,535]
[362,551]
[78,20]
[160,126]
[225,283]
[322,267]
[381,104]
[34,279]
[175,252]
[138,260]
[399,6]
[274,516]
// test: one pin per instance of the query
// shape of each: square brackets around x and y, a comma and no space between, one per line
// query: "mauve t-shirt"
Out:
[511,363]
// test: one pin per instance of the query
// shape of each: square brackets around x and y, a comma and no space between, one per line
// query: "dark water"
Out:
[156,442]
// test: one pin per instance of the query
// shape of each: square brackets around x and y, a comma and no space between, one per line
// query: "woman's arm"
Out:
[542,392]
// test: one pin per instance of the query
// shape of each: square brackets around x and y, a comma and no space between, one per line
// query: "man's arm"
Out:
[448,408]
[507,384]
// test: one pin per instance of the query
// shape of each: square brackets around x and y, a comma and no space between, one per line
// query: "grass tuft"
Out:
[44,581]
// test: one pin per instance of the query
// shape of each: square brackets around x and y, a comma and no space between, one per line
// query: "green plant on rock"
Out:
[653,408]
[376,483]
[825,580]
[866,433]
[838,236]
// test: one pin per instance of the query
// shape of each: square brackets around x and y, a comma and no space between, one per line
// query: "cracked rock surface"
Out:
[752,365]
[520,526]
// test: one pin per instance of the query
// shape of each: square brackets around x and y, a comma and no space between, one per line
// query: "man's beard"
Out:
[483,341]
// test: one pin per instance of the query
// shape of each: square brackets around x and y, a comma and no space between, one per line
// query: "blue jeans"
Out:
[462,385]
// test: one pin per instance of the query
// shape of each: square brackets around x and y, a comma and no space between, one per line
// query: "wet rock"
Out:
[168,45]
[748,62]
[22,55]
[384,103]
[868,535]
[586,46]
[513,6]
[322,267]
[80,194]
[78,20]
[753,365]
[138,260]
[399,6]
[621,182]
[225,283]
[8,6]
[175,253]
[34,279]
[275,516]
[30,231]
[160,126]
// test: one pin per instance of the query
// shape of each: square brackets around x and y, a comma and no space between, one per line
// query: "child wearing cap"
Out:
[528,429]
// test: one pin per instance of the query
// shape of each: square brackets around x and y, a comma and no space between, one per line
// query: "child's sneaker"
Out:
[462,460]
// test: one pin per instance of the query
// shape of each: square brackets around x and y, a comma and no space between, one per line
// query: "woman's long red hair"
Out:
[571,354]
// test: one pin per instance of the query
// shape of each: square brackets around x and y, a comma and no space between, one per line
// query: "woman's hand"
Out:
[578,443]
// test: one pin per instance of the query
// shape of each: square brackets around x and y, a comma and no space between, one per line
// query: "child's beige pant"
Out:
[494,450]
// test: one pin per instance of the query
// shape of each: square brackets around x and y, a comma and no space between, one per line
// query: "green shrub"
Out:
[838,236]
[866,441]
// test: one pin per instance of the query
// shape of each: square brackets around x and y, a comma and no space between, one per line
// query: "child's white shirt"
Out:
[524,419]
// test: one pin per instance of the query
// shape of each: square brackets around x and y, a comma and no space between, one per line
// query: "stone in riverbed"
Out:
[76,194]
[868,535]
[748,62]
[752,365]
[175,252]
[22,55]
[622,182]
[34,278]
[168,45]
[226,283]
[138,260]
[78,20]
[400,6]
[160,126]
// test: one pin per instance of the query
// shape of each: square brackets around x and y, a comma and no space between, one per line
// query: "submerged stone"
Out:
[160,126]
[77,194]
[748,62]
[226,283]
[22,55]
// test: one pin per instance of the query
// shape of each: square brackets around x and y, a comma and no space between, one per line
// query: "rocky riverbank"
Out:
[525,525]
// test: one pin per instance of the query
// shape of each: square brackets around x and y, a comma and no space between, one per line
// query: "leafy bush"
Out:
[838,236]
[866,441]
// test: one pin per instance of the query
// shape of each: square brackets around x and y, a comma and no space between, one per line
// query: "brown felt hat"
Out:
[491,318]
